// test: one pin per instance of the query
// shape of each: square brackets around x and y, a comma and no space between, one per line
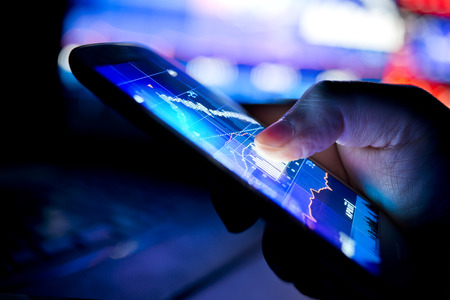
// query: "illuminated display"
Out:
[224,131]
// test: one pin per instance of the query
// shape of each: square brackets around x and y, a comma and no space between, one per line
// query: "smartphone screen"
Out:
[223,130]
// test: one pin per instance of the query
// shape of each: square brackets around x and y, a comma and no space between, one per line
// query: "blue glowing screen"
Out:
[223,130]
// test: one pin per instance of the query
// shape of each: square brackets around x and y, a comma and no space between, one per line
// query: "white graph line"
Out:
[235,133]
[246,155]
[210,112]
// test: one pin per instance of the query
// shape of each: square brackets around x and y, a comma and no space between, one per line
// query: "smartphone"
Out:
[356,238]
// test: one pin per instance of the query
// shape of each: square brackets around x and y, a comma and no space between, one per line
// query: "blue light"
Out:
[225,43]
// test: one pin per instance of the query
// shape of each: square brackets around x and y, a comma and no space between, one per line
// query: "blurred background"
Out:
[93,208]
[261,51]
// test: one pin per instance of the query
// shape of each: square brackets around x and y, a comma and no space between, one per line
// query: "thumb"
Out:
[352,114]
[310,126]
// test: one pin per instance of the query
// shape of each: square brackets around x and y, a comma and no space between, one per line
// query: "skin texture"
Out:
[389,142]
[382,140]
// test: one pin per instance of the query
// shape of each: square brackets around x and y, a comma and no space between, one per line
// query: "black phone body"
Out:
[356,240]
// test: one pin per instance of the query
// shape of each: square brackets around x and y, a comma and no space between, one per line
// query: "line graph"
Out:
[193,112]
[224,131]
[243,150]
[210,112]
[314,193]
[238,142]
[239,133]
[272,168]
[251,133]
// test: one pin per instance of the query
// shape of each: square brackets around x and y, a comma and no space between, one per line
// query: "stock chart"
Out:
[223,130]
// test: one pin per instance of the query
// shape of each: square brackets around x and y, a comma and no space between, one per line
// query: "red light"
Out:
[401,69]
[436,7]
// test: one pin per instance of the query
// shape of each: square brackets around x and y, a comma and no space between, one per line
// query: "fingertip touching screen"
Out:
[223,130]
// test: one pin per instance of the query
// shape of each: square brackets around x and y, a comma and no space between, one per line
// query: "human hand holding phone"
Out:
[390,142]
[322,233]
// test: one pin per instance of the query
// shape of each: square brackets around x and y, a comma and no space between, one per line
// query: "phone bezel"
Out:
[83,61]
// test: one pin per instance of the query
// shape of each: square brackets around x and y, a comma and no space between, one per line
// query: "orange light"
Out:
[401,69]
[438,90]
[311,199]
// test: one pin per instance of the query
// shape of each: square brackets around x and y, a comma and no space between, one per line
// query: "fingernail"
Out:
[276,135]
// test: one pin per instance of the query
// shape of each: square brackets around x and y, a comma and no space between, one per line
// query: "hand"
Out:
[391,142]
[387,141]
